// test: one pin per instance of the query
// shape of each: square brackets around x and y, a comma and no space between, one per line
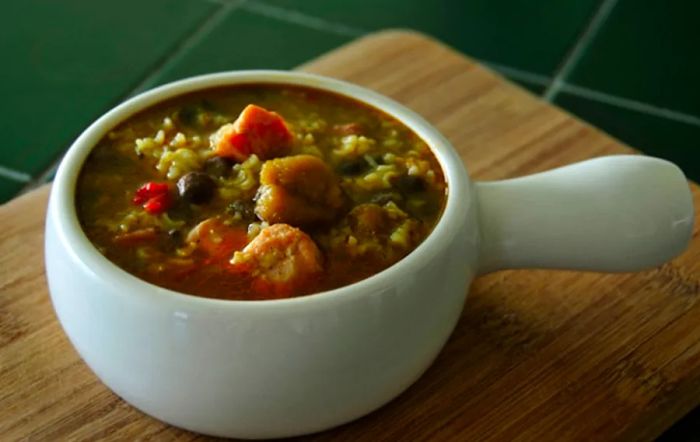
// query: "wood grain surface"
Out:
[537,355]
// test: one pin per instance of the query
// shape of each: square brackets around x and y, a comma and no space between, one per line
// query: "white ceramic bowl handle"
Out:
[613,214]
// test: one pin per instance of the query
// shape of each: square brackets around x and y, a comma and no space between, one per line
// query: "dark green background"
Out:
[627,66]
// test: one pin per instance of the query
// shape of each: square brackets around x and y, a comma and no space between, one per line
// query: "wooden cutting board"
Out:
[537,355]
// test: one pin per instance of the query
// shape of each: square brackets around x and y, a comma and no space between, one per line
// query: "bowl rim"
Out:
[63,210]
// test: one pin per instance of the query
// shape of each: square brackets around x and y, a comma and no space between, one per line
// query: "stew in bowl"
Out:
[258,192]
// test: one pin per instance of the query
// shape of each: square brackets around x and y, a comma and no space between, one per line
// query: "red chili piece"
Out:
[153,197]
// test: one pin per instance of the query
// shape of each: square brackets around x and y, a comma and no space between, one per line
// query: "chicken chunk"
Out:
[256,131]
[381,233]
[299,190]
[281,260]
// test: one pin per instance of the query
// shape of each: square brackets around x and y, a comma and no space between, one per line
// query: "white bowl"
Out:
[260,369]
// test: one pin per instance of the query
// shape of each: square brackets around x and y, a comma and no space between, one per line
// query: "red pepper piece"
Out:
[154,197]
[158,204]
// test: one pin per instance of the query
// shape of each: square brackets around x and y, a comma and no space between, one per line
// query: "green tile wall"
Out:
[245,40]
[641,70]
[647,51]
[9,188]
[533,35]
[674,140]
[66,62]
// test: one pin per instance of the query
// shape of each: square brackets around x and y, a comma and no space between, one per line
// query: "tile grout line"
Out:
[629,104]
[594,95]
[14,175]
[573,57]
[299,18]
[188,42]
[44,176]
[518,74]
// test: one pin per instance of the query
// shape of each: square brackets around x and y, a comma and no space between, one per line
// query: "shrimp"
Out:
[281,260]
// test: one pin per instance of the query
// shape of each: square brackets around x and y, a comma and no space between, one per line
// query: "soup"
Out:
[259,192]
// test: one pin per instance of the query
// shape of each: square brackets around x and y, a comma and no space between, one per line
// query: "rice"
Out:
[244,180]
[353,146]
[175,152]
[136,219]
[379,179]
[310,123]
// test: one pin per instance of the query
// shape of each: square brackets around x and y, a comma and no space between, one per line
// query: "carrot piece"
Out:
[255,131]
[136,237]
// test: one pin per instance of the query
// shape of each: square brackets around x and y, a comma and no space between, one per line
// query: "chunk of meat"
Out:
[370,220]
[216,239]
[255,131]
[298,190]
[281,260]
[380,233]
